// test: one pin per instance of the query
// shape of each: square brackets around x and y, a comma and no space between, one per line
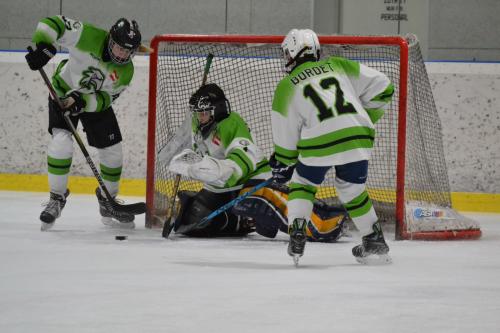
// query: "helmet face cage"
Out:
[119,55]
[203,110]
[124,40]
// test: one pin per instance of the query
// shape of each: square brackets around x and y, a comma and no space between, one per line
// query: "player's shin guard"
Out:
[111,161]
[53,209]
[59,159]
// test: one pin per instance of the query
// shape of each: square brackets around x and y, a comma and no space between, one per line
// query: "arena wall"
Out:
[466,95]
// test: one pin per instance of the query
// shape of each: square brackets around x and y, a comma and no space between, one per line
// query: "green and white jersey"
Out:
[324,112]
[101,82]
[231,140]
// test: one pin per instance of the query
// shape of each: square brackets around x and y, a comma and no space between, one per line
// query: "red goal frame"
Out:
[401,229]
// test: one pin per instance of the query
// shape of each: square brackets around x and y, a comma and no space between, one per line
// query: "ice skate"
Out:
[297,231]
[246,225]
[373,250]
[52,210]
[113,218]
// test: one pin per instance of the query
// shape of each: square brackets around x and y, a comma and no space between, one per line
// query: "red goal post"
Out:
[394,185]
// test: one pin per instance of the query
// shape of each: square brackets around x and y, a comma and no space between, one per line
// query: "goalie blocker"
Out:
[264,212]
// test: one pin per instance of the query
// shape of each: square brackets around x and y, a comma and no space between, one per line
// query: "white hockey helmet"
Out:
[299,43]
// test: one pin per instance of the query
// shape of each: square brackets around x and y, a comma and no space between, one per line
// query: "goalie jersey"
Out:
[231,140]
[100,82]
[324,112]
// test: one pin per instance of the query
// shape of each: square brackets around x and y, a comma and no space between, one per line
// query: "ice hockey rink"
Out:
[78,278]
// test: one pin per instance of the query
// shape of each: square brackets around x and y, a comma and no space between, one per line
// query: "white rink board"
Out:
[466,95]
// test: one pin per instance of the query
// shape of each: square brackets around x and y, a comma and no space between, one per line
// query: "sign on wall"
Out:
[386,17]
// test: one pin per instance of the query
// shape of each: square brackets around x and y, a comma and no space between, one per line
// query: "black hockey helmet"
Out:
[209,106]
[124,40]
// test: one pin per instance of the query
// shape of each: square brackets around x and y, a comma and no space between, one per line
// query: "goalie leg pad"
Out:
[268,208]
[326,230]
[181,220]
[268,218]
[196,207]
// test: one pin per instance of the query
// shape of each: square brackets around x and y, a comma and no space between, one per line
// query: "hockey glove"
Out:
[73,103]
[282,173]
[41,56]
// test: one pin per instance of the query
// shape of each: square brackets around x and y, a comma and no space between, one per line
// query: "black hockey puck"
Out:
[120,238]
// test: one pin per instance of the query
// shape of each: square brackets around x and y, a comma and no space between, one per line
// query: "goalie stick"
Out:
[168,225]
[136,208]
[233,202]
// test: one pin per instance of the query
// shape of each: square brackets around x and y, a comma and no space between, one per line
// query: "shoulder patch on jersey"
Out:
[77,25]
[244,142]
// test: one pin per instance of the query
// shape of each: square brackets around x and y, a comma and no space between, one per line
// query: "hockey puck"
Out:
[120,238]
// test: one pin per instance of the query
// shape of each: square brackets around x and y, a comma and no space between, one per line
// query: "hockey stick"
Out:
[233,202]
[136,208]
[168,225]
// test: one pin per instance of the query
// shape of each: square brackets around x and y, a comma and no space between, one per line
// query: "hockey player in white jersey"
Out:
[323,116]
[97,71]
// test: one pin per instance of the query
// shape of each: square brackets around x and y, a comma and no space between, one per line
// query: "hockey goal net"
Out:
[407,178]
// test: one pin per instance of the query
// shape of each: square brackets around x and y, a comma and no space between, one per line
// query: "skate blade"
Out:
[296,258]
[112,223]
[375,260]
[46,226]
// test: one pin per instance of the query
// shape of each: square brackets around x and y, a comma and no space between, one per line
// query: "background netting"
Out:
[249,73]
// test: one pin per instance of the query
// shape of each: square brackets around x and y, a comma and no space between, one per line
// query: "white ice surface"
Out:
[78,278]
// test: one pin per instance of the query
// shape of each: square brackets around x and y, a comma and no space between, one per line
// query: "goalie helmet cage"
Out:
[407,179]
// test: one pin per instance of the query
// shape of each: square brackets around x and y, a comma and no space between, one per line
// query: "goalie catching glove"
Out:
[206,169]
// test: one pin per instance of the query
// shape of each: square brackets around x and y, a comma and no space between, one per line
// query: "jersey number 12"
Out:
[341,106]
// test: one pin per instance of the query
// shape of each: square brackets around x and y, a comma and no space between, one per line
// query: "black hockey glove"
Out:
[41,56]
[73,103]
[281,172]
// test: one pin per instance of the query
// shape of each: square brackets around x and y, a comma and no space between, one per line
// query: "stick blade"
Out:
[375,260]
[134,209]
[168,226]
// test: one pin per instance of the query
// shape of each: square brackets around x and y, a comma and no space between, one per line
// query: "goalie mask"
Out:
[123,41]
[299,45]
[208,106]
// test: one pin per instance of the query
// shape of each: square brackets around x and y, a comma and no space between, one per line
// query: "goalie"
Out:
[227,161]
